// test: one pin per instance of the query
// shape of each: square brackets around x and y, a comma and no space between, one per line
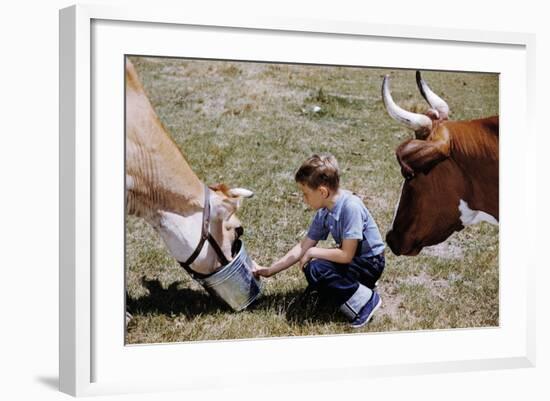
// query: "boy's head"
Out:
[318,177]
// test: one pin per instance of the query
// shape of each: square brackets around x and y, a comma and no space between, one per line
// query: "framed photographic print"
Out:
[186,198]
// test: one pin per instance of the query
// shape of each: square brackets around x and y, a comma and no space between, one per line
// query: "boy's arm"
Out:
[352,219]
[291,257]
[343,255]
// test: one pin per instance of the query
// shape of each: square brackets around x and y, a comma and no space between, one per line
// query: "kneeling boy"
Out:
[345,275]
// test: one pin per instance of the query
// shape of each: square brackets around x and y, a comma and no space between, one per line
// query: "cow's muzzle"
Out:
[391,240]
[397,246]
[239,231]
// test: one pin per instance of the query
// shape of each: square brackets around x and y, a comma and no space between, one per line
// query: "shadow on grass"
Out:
[298,306]
[173,301]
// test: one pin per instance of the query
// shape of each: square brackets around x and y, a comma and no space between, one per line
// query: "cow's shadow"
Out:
[298,305]
[173,301]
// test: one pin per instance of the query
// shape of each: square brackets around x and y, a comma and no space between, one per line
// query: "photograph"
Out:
[267,199]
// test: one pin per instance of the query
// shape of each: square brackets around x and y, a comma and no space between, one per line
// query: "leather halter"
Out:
[205,236]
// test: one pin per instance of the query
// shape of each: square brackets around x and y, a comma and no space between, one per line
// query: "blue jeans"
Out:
[338,282]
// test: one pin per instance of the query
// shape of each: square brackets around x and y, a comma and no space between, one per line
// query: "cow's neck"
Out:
[482,186]
[481,173]
[158,176]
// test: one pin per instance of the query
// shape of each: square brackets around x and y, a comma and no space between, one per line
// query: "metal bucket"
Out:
[234,283]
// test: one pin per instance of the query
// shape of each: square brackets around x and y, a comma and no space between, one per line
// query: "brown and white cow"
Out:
[451,172]
[162,189]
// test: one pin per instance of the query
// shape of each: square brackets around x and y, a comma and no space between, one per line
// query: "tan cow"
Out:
[162,189]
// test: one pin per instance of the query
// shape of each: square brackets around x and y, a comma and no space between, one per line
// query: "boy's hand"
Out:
[260,271]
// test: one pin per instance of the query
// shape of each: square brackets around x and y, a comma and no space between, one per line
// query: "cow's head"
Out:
[182,233]
[428,209]
[226,227]
[427,212]
[450,170]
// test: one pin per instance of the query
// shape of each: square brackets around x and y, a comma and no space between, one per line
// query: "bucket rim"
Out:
[230,269]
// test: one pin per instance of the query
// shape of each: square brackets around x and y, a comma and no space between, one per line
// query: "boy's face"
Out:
[314,198]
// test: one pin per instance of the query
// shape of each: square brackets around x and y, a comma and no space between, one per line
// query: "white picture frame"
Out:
[93,358]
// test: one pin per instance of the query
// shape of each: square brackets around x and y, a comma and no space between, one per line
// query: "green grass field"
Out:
[251,125]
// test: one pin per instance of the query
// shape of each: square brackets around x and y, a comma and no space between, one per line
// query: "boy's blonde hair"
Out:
[319,170]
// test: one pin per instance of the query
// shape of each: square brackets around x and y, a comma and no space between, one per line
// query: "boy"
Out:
[345,275]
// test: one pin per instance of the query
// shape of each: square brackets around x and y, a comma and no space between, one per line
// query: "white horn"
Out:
[242,192]
[435,101]
[414,121]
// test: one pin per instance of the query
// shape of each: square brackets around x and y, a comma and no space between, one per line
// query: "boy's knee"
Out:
[316,269]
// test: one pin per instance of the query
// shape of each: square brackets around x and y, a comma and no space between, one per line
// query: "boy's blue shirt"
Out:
[348,219]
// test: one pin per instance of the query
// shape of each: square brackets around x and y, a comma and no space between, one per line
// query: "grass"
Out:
[251,125]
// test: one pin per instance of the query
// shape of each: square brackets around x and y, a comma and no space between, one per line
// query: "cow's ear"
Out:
[234,201]
[240,193]
[232,192]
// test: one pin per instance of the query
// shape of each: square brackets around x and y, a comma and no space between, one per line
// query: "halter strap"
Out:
[205,236]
